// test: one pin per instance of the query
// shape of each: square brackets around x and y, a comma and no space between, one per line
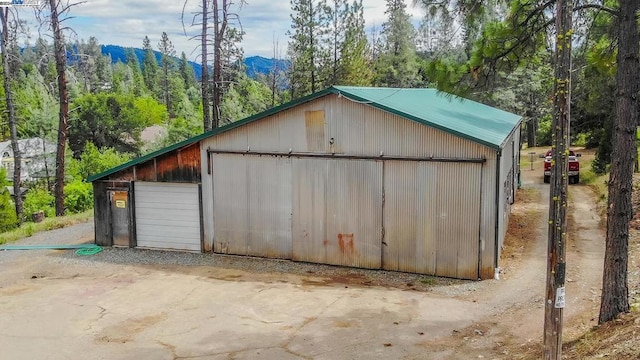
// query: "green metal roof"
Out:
[461,117]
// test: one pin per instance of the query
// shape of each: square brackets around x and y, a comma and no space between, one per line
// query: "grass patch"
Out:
[431,280]
[29,229]
[597,182]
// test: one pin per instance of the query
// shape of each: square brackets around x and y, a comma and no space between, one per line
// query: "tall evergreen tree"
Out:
[167,50]
[149,65]
[615,291]
[186,72]
[337,13]
[308,25]
[58,8]
[397,65]
[133,63]
[8,81]
[355,64]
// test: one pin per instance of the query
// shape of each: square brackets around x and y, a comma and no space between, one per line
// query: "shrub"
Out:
[78,197]
[8,218]
[39,199]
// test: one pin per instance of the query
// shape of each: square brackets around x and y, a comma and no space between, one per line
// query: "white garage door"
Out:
[167,216]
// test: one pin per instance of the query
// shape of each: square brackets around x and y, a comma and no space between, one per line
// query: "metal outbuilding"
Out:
[410,180]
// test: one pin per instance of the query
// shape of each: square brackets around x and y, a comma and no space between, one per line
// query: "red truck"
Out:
[574,167]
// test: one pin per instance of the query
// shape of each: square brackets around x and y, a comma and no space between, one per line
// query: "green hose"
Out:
[89,251]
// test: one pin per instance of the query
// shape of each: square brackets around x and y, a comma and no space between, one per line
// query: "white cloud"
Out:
[126,23]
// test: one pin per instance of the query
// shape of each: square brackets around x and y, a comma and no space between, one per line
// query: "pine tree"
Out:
[165,46]
[8,81]
[307,28]
[355,65]
[133,63]
[58,9]
[149,65]
[397,65]
[186,71]
[337,13]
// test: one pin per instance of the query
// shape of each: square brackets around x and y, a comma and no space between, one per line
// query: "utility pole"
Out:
[556,261]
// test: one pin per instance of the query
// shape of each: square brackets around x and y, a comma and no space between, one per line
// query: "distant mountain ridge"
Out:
[255,65]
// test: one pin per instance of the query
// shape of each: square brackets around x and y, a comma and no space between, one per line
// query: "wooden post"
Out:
[556,261]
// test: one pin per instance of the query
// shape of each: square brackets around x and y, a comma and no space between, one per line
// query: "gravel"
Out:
[332,274]
[83,233]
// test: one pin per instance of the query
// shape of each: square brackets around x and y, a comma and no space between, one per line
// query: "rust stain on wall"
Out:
[345,241]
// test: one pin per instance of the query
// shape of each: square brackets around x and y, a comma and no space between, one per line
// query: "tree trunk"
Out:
[8,79]
[556,262]
[312,45]
[206,111]
[615,293]
[59,48]
[220,26]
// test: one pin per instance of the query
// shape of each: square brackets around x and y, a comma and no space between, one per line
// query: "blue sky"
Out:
[126,22]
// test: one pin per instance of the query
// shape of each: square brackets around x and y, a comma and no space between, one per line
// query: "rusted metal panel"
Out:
[252,205]
[352,212]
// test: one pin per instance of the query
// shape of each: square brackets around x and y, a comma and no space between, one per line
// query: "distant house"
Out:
[38,158]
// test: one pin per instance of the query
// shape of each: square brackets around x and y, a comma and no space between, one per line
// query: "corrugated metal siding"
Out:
[354,213]
[167,216]
[269,206]
[509,167]
[357,129]
[310,238]
[315,128]
[432,219]
[488,219]
[230,199]
[410,241]
[207,198]
[252,205]
[458,204]
[338,212]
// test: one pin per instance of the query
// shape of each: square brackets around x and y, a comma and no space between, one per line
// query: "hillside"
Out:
[255,65]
